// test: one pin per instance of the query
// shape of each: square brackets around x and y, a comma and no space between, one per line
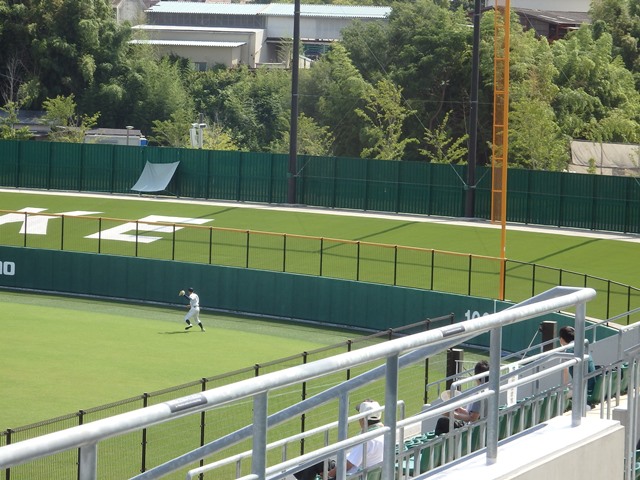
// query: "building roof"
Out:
[188,43]
[114,131]
[187,28]
[554,18]
[549,5]
[271,9]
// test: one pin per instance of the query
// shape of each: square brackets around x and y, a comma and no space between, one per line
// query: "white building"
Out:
[252,34]
[205,46]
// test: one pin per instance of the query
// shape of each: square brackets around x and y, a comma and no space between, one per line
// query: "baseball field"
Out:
[62,354]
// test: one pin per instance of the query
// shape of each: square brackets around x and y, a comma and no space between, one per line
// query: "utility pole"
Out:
[293,136]
[470,199]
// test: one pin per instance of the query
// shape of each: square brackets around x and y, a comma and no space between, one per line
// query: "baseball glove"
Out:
[181,293]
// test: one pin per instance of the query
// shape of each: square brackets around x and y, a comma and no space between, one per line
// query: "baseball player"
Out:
[194,308]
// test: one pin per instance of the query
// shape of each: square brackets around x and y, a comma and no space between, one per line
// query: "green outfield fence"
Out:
[427,269]
[593,202]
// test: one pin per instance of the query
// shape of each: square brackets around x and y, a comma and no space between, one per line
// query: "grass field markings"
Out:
[382,232]
[218,212]
[565,250]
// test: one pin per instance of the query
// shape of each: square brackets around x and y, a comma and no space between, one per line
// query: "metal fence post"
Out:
[247,247]
[390,416]
[210,244]
[143,453]
[395,265]
[173,242]
[469,275]
[62,234]
[578,400]
[26,229]
[433,259]
[100,235]
[259,458]
[303,396]
[284,252]
[89,462]
[494,400]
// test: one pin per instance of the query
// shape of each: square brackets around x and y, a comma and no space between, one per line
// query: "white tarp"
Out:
[605,158]
[155,177]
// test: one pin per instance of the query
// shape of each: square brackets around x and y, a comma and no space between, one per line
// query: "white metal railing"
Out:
[283,443]
[87,437]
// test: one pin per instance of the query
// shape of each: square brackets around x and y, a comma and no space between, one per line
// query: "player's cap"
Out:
[191,289]
[370,405]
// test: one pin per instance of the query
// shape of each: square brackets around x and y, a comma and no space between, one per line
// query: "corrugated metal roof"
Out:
[208,8]
[337,11]
[187,28]
[188,43]
[557,18]
[272,9]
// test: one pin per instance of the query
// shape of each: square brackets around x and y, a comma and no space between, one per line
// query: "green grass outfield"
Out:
[605,256]
[64,354]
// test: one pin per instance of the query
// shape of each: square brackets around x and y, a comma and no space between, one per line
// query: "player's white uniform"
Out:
[194,311]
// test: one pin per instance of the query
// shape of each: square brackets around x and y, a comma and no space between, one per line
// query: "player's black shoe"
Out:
[202,327]
[188,327]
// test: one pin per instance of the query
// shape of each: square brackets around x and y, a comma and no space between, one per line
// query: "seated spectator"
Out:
[566,335]
[354,458]
[461,415]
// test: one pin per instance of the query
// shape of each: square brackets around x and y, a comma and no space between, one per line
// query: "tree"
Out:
[173,132]
[63,47]
[367,44]
[384,115]
[145,89]
[594,87]
[66,125]
[330,92]
[535,138]
[312,139]
[441,147]
[8,130]
[619,18]
[217,137]
[538,143]
[252,105]
[176,132]
[430,48]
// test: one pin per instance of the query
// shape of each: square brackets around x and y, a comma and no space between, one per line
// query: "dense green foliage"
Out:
[392,90]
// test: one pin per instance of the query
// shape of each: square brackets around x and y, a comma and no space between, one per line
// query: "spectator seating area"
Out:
[426,451]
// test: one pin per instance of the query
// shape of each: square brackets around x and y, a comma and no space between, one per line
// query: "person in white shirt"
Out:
[194,308]
[375,446]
